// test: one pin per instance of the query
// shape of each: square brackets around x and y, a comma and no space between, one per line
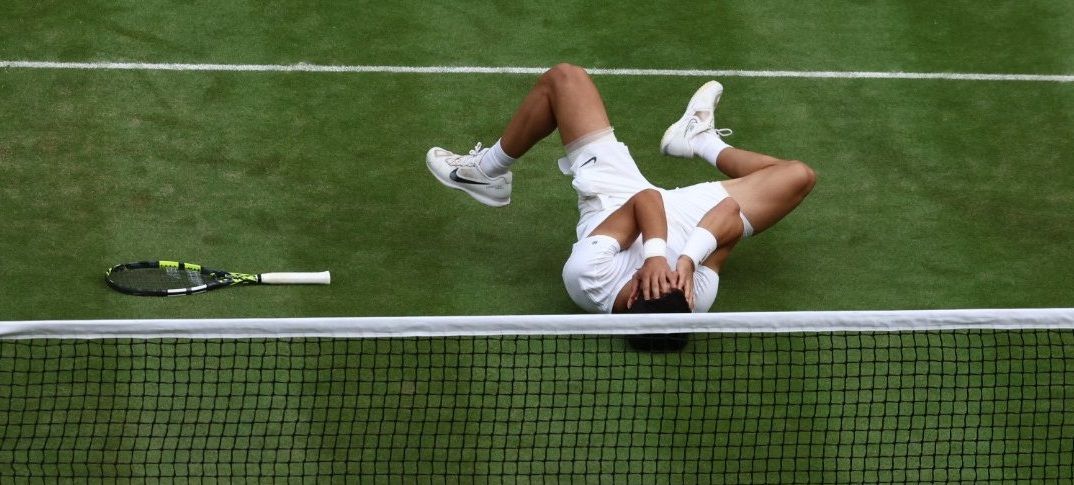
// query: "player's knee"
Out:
[568,70]
[646,196]
[802,176]
[565,73]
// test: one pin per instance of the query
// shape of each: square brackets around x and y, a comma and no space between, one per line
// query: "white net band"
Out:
[361,327]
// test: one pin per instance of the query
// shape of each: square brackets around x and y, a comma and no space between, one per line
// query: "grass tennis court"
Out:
[931,193]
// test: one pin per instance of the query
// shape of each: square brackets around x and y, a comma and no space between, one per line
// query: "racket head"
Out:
[170,278]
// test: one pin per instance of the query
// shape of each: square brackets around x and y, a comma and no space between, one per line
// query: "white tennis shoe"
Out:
[700,116]
[461,172]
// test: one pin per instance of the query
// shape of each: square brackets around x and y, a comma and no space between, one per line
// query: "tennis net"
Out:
[259,401]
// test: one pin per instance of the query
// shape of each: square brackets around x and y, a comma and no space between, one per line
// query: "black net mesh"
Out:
[921,407]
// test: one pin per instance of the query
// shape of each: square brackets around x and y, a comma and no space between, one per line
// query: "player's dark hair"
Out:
[674,302]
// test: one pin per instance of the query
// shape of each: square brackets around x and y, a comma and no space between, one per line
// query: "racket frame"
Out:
[220,278]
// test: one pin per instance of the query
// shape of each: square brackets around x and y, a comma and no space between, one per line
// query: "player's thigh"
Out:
[768,195]
[576,102]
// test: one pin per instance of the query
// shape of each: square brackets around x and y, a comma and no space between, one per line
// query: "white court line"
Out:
[302,67]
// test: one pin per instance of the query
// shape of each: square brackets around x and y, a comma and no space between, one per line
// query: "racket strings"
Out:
[161,279]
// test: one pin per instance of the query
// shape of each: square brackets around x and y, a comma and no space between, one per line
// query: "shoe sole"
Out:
[482,198]
[670,132]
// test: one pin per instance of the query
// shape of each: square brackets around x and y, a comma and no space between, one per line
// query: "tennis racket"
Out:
[169,278]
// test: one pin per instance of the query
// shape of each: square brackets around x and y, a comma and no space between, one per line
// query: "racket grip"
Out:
[322,278]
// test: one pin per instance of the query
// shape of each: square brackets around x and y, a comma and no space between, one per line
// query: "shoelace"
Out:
[702,118]
[467,160]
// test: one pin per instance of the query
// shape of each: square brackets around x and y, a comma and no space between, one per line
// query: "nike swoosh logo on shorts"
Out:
[455,176]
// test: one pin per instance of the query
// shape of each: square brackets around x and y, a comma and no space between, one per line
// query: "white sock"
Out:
[495,162]
[708,145]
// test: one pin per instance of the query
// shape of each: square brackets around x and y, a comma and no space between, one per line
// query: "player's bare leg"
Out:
[767,190]
[564,97]
[765,187]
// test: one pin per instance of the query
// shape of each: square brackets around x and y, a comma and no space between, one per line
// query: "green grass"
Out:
[931,194]
[913,35]
[959,205]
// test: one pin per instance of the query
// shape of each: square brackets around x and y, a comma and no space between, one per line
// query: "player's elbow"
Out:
[724,221]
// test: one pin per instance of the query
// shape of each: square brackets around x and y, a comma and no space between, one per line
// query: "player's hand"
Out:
[655,279]
[684,278]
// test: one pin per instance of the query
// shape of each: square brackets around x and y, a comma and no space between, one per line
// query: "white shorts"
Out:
[605,177]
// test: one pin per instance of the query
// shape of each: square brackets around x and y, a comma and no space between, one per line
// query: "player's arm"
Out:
[709,244]
[643,214]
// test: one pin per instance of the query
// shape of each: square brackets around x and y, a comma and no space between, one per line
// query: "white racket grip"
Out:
[322,278]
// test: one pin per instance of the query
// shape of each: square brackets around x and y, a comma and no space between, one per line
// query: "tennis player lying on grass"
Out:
[640,248]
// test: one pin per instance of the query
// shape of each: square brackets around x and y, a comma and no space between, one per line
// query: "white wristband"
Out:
[699,246]
[655,247]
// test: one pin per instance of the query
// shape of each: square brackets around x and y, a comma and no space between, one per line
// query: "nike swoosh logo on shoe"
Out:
[690,125]
[455,176]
